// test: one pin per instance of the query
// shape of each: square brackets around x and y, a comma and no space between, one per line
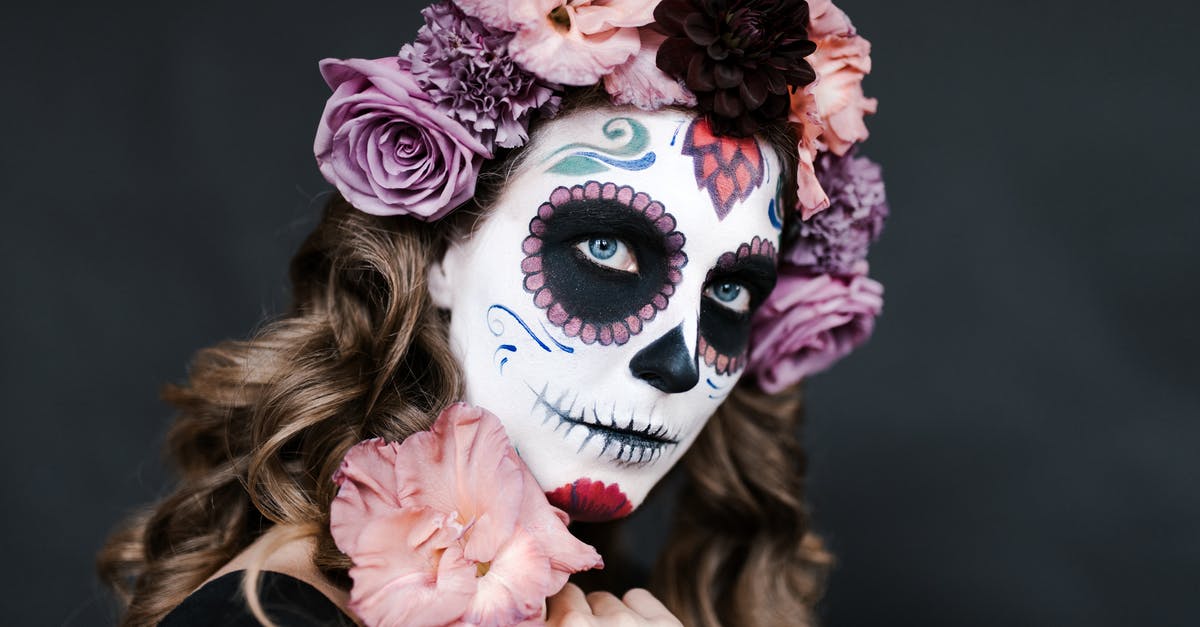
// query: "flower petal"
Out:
[515,586]
[810,322]
[402,573]
[641,83]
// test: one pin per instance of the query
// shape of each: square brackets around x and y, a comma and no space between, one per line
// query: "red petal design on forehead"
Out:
[730,168]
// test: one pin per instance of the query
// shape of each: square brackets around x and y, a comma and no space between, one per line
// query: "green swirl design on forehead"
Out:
[631,138]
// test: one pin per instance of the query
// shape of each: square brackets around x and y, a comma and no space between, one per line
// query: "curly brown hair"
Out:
[263,424]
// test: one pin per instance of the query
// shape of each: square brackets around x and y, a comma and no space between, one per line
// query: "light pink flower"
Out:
[449,527]
[811,197]
[809,322]
[641,83]
[831,109]
[573,42]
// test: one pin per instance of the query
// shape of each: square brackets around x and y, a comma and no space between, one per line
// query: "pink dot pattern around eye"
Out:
[757,247]
[731,364]
[610,332]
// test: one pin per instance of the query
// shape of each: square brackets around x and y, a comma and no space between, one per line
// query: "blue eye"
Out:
[603,248]
[730,295]
[609,252]
[726,292]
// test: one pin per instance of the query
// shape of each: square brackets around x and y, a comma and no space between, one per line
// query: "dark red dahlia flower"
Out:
[740,57]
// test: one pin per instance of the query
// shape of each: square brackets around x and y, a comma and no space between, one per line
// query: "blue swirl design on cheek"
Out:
[496,326]
[715,388]
[503,347]
[562,347]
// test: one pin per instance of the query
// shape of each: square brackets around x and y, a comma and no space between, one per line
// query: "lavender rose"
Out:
[387,149]
[808,323]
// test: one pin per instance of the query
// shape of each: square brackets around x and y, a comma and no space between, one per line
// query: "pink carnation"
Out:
[573,42]
[387,148]
[449,527]
[831,109]
[809,322]
[641,83]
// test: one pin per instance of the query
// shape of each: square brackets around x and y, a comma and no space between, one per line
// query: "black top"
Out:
[287,600]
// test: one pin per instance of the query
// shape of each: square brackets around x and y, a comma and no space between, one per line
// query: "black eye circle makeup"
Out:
[602,259]
[739,282]
[609,252]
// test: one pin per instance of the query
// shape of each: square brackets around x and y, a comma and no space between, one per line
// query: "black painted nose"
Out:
[666,363]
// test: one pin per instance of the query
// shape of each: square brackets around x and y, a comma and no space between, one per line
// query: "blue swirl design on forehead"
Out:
[633,165]
[585,158]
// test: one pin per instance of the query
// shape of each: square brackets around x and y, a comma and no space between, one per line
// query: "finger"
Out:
[569,599]
[644,603]
[605,604]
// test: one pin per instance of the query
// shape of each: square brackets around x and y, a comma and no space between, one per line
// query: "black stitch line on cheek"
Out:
[728,362]
[555,293]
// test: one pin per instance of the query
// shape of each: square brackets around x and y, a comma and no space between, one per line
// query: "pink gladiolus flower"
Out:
[809,322]
[831,109]
[449,527]
[641,83]
[573,42]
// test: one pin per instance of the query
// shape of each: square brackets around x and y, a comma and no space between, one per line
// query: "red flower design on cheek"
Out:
[730,168]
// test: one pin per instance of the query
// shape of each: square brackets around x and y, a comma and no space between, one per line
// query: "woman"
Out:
[603,287]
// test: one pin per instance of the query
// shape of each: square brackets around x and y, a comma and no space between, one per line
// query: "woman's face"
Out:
[602,310]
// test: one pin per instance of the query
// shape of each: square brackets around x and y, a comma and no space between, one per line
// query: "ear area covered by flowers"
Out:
[449,527]
[823,306]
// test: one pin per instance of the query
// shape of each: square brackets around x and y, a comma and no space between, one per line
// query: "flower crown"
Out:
[408,135]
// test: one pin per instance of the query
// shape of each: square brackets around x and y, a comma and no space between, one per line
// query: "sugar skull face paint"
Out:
[630,273]
[724,334]
[602,308]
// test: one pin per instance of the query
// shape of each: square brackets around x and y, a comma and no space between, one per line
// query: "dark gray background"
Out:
[1017,445]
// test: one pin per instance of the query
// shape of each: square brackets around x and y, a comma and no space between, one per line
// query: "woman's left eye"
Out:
[730,295]
[609,252]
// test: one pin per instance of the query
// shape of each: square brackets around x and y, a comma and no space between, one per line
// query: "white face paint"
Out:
[602,308]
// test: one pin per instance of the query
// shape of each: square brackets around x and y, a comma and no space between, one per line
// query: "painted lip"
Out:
[633,446]
[586,500]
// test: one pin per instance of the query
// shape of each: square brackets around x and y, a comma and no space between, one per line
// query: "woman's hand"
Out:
[570,608]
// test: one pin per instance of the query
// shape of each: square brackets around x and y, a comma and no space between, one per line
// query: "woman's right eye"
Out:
[609,252]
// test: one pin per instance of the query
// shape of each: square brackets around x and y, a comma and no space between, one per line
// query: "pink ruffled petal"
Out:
[830,110]
[516,584]
[597,17]
[466,465]
[403,556]
[368,489]
[572,58]
[825,19]
[494,13]
[639,81]
[809,323]
[450,522]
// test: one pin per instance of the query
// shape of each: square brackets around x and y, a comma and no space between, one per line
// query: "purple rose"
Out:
[387,149]
[808,323]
